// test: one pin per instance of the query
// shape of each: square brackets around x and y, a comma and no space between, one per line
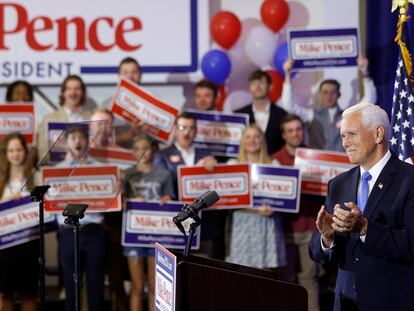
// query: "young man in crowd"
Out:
[262,111]
[299,227]
[72,99]
[182,151]
[324,121]
[92,238]
[101,130]
[205,95]
[128,69]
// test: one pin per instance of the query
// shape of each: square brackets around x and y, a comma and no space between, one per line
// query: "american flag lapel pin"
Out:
[380,185]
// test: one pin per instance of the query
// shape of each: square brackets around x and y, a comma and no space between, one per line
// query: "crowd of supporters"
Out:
[257,237]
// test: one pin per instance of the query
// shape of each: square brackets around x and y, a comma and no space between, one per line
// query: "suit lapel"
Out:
[271,117]
[251,114]
[383,182]
[353,185]
[176,153]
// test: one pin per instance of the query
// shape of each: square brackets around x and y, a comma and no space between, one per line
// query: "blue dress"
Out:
[257,241]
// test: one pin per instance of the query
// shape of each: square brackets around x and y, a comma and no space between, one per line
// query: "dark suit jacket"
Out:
[170,158]
[377,274]
[274,138]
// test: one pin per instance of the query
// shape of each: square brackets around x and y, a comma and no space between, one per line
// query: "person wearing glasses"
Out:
[182,151]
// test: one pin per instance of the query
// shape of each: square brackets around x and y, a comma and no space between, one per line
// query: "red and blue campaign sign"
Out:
[219,133]
[230,181]
[165,279]
[147,223]
[18,118]
[94,185]
[277,186]
[134,104]
[19,222]
[321,48]
[121,157]
[318,167]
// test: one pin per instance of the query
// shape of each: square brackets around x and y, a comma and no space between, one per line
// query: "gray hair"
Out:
[372,116]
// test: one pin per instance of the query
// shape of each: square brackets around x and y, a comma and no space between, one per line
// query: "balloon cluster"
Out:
[259,46]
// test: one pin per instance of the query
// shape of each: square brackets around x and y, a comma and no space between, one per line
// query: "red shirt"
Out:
[309,204]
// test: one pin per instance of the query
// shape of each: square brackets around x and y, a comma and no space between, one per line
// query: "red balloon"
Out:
[225,28]
[221,97]
[275,90]
[274,13]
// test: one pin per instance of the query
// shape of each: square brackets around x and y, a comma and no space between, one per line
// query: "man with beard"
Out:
[263,112]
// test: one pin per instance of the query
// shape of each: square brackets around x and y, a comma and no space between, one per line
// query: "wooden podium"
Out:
[206,284]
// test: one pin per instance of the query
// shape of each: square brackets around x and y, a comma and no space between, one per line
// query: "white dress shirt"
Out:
[262,117]
[188,155]
[73,116]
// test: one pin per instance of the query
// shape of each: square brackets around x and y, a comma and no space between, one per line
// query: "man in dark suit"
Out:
[263,112]
[182,151]
[367,223]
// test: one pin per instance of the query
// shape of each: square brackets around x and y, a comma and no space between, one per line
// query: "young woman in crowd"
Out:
[256,238]
[18,264]
[19,91]
[145,182]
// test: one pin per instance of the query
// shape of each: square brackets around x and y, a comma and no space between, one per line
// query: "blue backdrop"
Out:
[382,51]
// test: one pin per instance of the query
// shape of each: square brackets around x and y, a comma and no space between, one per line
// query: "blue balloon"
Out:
[216,66]
[280,56]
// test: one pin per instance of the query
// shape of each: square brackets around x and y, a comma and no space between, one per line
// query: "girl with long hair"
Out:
[18,264]
[256,237]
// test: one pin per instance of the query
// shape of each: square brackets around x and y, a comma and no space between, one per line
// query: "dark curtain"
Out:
[382,51]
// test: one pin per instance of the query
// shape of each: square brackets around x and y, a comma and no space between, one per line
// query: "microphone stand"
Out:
[37,194]
[73,212]
[191,232]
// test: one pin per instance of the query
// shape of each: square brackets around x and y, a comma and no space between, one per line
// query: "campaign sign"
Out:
[318,167]
[19,222]
[165,279]
[45,41]
[123,158]
[94,185]
[136,105]
[56,140]
[230,181]
[18,118]
[323,48]
[277,186]
[147,223]
[219,133]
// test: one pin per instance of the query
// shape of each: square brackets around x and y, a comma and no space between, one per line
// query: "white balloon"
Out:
[260,45]
[236,54]
[236,100]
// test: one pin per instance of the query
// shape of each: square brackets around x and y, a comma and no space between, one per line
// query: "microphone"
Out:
[190,210]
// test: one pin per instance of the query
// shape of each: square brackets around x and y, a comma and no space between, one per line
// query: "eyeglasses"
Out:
[190,128]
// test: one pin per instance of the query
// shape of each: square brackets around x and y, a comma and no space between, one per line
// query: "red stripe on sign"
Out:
[112,154]
[319,155]
[314,187]
[148,97]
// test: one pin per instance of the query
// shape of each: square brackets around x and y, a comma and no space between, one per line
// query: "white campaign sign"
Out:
[44,41]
